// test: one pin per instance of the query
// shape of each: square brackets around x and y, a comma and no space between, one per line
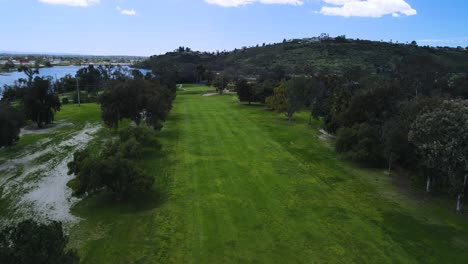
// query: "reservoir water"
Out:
[55,72]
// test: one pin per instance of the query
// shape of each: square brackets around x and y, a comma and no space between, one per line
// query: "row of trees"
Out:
[114,166]
[36,101]
[410,117]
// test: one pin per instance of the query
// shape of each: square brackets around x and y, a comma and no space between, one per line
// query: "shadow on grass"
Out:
[417,236]
[106,202]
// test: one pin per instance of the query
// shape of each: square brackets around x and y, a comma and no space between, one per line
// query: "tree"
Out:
[8,65]
[200,70]
[245,91]
[290,96]
[419,80]
[220,82]
[264,89]
[138,100]
[89,78]
[29,242]
[10,125]
[40,102]
[360,143]
[114,168]
[30,72]
[136,74]
[279,100]
[67,84]
[441,138]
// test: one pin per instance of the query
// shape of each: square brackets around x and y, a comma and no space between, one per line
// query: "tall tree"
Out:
[290,96]
[245,91]
[220,82]
[41,102]
[30,72]
[441,138]
[138,100]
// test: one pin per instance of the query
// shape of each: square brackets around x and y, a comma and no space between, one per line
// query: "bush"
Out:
[359,143]
[30,242]
[10,125]
[65,100]
[114,168]
[142,133]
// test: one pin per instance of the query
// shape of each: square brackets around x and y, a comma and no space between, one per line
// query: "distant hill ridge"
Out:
[304,56]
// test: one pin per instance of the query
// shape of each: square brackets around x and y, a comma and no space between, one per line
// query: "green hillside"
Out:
[299,57]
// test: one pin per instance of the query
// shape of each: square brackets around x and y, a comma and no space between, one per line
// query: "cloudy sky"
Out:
[147,27]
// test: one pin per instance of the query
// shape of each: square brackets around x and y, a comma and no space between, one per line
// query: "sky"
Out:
[149,27]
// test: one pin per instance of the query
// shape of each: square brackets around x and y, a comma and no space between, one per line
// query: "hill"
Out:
[335,55]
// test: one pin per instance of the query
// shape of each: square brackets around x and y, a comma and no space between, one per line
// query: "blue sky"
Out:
[147,27]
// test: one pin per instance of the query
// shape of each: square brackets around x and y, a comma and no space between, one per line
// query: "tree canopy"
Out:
[114,167]
[11,121]
[40,102]
[138,100]
[32,243]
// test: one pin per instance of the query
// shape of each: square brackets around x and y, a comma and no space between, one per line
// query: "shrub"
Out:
[65,100]
[30,242]
[114,168]
[359,143]
[10,125]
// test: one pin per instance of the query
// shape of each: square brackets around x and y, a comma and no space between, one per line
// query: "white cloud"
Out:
[235,3]
[71,2]
[367,8]
[128,12]
[118,8]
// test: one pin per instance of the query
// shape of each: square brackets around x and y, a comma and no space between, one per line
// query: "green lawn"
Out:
[238,184]
[194,89]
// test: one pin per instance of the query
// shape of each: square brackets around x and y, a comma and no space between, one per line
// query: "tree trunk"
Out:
[428,184]
[461,196]
[459,203]
[390,162]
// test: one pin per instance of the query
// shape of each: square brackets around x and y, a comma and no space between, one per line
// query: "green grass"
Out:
[78,117]
[195,89]
[238,184]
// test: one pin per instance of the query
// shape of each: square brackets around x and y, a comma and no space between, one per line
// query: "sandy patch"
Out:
[324,135]
[40,190]
[33,129]
[209,94]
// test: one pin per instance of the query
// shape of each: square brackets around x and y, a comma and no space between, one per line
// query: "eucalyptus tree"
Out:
[41,102]
[441,138]
[30,72]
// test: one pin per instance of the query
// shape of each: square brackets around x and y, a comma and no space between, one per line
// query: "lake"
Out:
[55,72]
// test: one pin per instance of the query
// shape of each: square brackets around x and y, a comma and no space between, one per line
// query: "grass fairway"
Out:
[238,184]
[248,187]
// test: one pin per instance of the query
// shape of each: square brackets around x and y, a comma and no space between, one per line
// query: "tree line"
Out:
[412,116]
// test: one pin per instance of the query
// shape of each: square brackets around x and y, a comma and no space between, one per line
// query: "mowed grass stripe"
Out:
[239,184]
[252,188]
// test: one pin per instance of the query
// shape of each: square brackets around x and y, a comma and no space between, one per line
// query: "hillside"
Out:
[302,57]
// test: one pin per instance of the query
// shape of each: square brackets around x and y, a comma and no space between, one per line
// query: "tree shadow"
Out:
[419,238]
